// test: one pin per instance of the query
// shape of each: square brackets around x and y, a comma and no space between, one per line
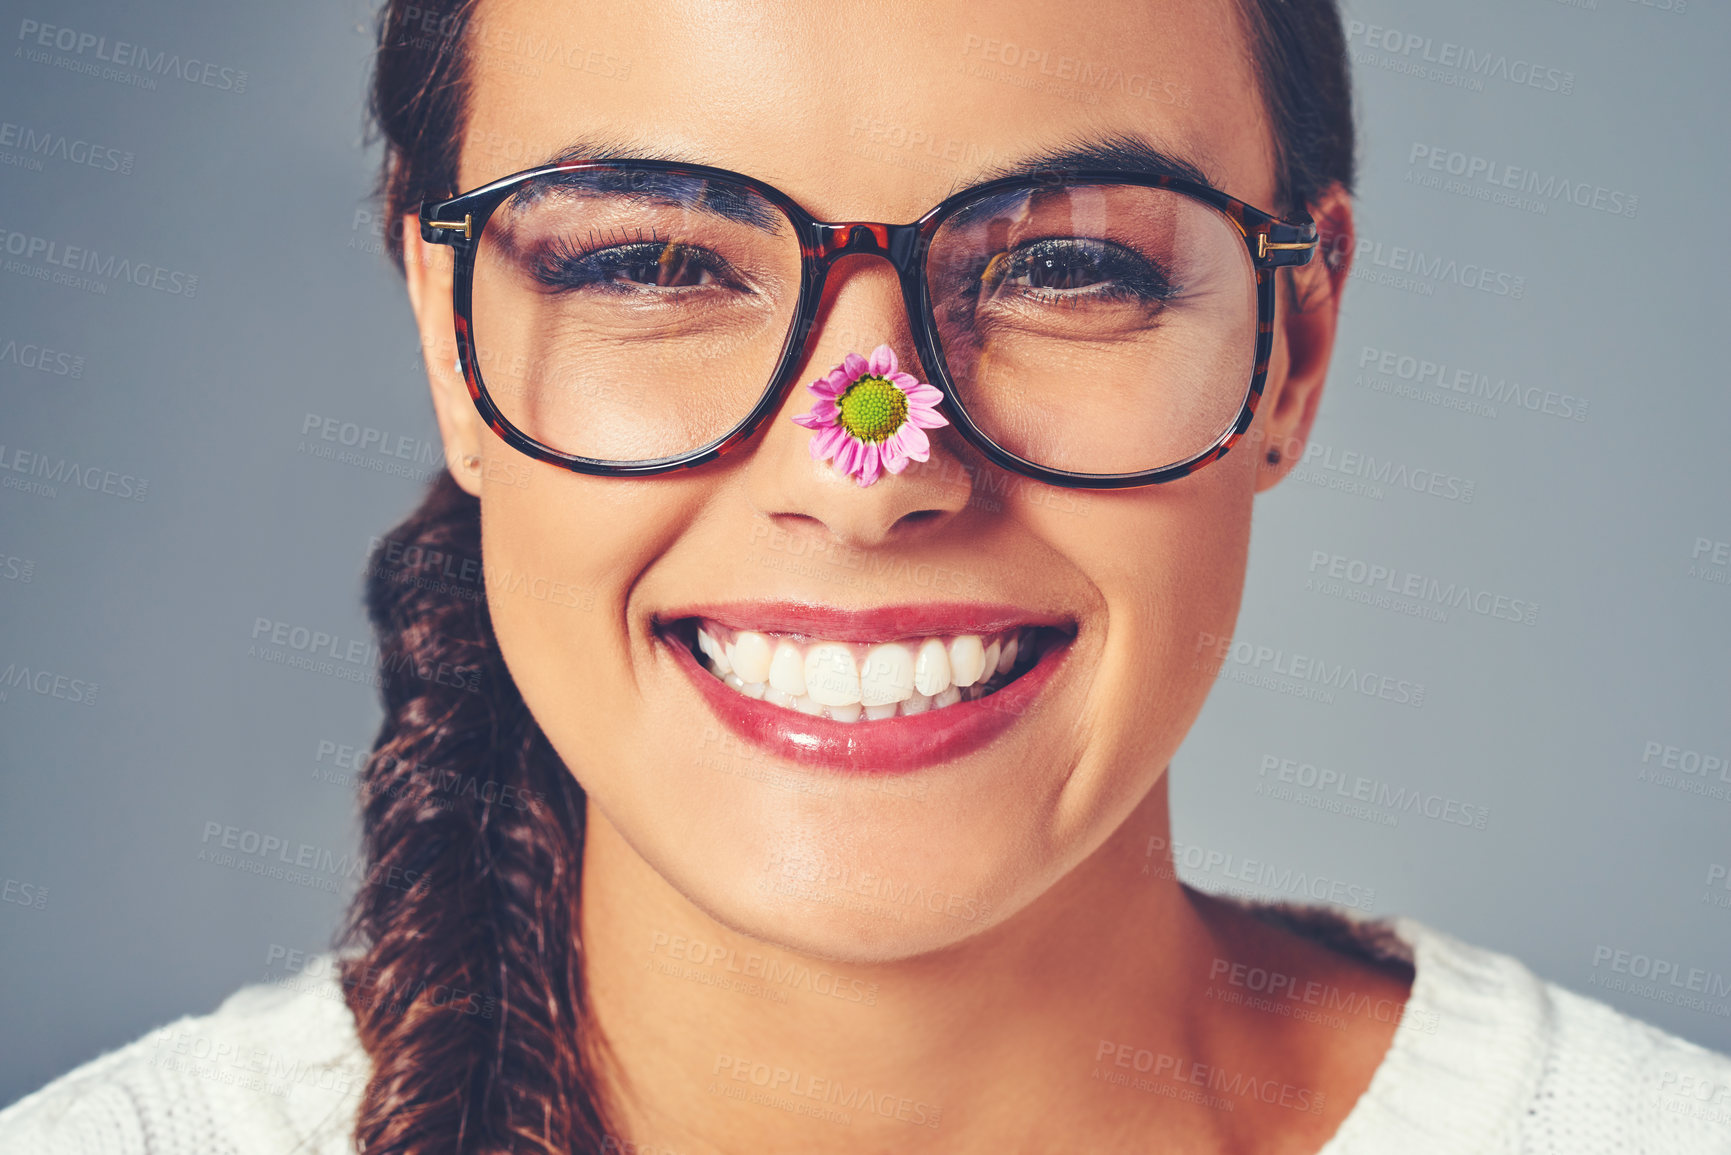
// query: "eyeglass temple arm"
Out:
[444,232]
[1286,244]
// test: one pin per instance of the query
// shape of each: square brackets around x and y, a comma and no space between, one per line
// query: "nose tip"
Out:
[836,431]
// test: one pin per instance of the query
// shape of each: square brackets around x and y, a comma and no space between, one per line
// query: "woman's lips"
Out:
[867,662]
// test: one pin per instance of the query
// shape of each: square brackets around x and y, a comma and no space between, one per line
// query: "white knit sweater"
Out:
[1488,1060]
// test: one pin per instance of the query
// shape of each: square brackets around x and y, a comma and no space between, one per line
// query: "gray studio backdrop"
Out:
[1484,664]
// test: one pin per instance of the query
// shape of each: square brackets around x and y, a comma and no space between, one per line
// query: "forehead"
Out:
[865,110]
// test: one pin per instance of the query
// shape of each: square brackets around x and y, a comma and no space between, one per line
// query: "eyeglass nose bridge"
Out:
[897,244]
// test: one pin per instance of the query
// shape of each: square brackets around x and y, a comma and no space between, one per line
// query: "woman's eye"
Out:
[639,266]
[1075,268]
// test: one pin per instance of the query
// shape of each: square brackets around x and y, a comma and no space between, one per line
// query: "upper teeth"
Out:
[845,678]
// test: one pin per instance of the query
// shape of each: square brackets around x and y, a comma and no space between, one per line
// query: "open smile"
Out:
[884,690]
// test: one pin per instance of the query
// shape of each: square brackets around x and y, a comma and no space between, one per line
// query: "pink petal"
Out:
[922,418]
[810,421]
[913,441]
[906,382]
[847,455]
[927,395]
[829,385]
[871,466]
[883,361]
[895,460]
[825,410]
[825,442]
[855,366]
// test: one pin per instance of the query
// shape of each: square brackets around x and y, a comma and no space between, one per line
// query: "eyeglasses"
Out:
[1089,329]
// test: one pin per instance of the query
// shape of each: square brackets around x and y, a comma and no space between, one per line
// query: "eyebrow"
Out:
[1119,152]
[677,189]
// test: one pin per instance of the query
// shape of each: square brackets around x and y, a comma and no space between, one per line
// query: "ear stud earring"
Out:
[870,417]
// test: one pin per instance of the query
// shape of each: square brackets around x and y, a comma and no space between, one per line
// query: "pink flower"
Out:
[870,416]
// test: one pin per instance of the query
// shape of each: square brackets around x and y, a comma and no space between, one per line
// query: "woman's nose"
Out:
[860,310]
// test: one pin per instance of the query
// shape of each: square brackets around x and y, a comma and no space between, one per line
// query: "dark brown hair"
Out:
[466,987]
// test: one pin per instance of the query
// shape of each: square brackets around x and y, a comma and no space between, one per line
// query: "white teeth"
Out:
[787,670]
[932,668]
[887,676]
[967,660]
[831,676]
[750,654]
[712,650]
[850,681]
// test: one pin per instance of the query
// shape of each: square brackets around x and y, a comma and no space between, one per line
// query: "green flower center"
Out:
[872,408]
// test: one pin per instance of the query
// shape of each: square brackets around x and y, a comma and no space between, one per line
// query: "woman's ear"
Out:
[1307,311]
[428,269]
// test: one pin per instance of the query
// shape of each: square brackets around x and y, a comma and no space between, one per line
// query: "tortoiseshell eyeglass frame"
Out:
[1272,243]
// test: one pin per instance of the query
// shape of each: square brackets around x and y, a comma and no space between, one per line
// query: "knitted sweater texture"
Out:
[1487,1060]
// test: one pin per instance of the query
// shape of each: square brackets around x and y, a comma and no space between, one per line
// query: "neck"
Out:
[1044,1024]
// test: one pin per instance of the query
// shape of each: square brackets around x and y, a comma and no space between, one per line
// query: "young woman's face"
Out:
[877,838]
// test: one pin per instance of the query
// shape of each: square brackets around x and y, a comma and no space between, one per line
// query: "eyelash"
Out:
[1130,276]
[563,266]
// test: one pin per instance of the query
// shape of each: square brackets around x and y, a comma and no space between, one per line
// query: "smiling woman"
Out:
[777,844]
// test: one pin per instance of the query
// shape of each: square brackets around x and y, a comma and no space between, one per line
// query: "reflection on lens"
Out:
[628,316]
[1096,328]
